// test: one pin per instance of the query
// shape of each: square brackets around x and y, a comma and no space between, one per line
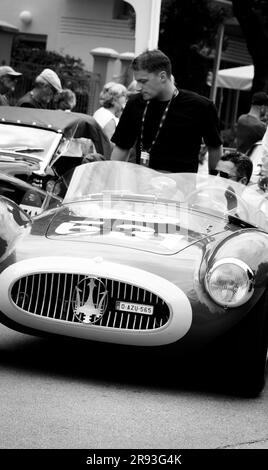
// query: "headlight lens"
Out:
[230,282]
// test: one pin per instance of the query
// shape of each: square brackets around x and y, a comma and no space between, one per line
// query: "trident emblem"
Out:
[93,308]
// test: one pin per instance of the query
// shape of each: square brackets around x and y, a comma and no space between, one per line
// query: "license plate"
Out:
[134,308]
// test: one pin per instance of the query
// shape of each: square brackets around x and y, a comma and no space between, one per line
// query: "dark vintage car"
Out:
[166,262]
[38,144]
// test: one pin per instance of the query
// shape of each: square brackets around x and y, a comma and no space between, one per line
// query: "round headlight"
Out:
[230,282]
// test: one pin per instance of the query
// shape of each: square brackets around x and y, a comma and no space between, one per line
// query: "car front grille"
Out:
[61,296]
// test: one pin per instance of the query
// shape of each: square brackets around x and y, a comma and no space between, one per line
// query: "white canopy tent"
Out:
[237,78]
[234,79]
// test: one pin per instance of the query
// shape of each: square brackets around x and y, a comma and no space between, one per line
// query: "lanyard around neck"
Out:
[162,120]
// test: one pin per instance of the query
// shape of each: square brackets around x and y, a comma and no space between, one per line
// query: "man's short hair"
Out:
[242,162]
[260,99]
[152,61]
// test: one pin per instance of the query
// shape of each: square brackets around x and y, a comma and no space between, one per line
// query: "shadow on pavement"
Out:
[109,364]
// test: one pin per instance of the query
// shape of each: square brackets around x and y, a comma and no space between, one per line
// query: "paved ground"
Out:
[54,396]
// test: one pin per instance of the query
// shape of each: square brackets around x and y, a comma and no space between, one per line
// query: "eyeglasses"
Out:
[222,174]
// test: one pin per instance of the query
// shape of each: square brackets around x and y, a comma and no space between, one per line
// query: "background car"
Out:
[38,144]
[167,262]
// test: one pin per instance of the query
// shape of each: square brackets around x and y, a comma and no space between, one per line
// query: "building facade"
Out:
[73,27]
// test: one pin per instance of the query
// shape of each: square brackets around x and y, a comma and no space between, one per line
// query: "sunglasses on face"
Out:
[223,174]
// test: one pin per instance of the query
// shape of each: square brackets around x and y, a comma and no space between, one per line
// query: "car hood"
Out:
[148,226]
[16,166]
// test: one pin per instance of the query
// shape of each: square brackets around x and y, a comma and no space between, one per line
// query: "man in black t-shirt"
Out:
[166,125]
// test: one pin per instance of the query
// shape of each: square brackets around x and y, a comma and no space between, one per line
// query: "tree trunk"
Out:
[252,16]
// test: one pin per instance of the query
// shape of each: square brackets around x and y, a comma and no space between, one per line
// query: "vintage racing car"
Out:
[37,144]
[125,254]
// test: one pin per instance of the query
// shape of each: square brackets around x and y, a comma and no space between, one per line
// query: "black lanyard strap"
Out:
[162,120]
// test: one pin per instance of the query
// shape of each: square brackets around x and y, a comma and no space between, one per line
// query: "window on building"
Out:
[30,41]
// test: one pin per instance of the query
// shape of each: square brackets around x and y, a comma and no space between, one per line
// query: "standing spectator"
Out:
[46,86]
[113,100]
[65,100]
[131,89]
[250,127]
[8,78]
[167,124]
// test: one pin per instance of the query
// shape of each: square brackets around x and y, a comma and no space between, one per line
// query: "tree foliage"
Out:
[31,62]
[188,31]
[71,71]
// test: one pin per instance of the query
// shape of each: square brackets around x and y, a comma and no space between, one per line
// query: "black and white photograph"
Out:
[133,232]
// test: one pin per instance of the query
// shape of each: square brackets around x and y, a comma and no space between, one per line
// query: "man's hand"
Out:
[119,154]
[93,157]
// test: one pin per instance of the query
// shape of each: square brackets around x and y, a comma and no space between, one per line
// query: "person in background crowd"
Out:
[261,158]
[250,127]
[46,86]
[234,166]
[8,79]
[166,124]
[65,100]
[113,100]
[132,88]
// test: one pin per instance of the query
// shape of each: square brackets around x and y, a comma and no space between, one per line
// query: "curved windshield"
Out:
[29,143]
[202,192]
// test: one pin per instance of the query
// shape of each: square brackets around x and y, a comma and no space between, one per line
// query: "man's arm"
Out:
[119,154]
[214,154]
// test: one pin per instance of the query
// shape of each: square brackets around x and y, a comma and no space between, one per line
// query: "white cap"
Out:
[7,70]
[50,77]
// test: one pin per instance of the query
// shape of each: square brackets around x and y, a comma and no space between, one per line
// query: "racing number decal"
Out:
[78,227]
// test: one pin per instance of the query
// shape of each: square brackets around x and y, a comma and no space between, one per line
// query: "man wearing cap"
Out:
[46,86]
[250,128]
[8,78]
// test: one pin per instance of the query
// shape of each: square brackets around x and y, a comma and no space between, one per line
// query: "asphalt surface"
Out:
[58,395]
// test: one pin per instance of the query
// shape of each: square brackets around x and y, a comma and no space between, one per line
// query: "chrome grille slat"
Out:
[54,295]
[121,321]
[38,291]
[50,297]
[128,317]
[62,303]
[115,318]
[32,292]
[44,296]
[18,293]
[107,324]
[69,300]
[24,296]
